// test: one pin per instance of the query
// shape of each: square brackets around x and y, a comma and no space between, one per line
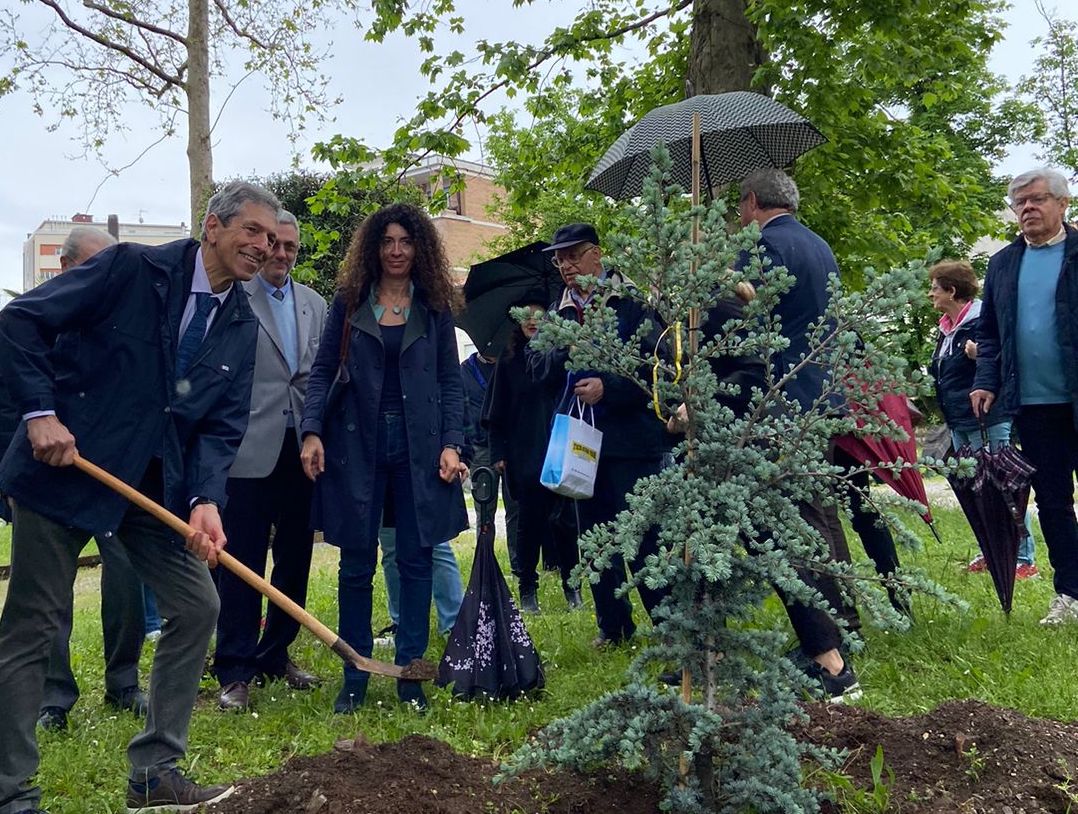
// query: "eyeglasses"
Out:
[565,262]
[1036,200]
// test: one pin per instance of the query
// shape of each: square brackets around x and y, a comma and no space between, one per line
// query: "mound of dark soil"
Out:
[964,757]
[419,775]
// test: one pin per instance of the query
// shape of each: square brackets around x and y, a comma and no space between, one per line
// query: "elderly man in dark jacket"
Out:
[634,441]
[143,357]
[1027,362]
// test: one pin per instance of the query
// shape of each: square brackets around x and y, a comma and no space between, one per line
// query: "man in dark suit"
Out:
[266,486]
[769,198]
[122,621]
[143,356]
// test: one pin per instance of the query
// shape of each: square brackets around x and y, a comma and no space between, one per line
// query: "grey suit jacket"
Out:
[276,392]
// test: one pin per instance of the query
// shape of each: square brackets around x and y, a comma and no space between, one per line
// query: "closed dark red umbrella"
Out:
[878,452]
[994,501]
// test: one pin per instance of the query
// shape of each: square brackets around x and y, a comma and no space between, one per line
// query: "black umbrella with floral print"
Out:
[489,653]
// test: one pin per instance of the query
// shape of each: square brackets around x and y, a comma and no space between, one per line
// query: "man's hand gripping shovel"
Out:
[418,670]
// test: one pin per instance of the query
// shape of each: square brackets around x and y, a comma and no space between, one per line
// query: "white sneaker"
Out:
[1062,609]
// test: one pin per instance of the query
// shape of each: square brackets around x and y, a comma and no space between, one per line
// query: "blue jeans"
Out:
[998,436]
[152,615]
[392,475]
[447,586]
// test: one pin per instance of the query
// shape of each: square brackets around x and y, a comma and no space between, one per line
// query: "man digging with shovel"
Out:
[151,377]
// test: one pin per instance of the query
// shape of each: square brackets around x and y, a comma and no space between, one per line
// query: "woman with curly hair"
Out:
[384,421]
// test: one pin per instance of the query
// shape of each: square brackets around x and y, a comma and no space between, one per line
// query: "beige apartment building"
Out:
[465,224]
[41,250]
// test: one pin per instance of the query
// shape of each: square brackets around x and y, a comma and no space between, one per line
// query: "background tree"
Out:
[165,54]
[1053,88]
[913,116]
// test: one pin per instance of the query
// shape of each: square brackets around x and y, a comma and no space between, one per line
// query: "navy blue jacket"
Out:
[343,411]
[97,344]
[809,259]
[624,414]
[953,375]
[475,376]
[997,352]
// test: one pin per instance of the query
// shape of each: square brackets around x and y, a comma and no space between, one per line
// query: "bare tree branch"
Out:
[134,21]
[112,173]
[124,76]
[239,32]
[104,42]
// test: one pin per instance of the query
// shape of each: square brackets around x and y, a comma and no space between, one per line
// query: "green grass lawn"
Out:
[949,653]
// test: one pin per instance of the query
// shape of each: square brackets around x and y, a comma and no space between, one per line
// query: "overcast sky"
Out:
[380,84]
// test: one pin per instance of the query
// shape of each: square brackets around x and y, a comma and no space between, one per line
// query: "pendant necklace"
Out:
[397,310]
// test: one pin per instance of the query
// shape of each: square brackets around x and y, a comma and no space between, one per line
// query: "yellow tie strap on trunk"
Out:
[655,367]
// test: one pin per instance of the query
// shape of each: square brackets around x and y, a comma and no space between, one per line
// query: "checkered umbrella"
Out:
[741,131]
[994,501]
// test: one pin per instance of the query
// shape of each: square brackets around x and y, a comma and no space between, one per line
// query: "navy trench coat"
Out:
[342,408]
[97,345]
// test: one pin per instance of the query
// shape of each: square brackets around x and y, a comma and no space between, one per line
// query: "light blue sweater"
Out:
[1040,359]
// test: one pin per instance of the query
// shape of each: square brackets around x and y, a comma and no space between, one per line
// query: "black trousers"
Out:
[281,502]
[537,531]
[614,481]
[816,630]
[1050,441]
[876,538]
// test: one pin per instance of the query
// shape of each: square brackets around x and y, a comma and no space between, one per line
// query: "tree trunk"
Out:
[199,149]
[724,50]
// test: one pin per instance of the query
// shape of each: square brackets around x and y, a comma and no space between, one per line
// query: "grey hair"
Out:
[80,235]
[284,216]
[773,188]
[227,201]
[1056,181]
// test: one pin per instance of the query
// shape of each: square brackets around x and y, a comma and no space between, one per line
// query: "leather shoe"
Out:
[130,699]
[234,696]
[52,719]
[299,679]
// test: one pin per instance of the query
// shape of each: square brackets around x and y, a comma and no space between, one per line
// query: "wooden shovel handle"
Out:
[418,670]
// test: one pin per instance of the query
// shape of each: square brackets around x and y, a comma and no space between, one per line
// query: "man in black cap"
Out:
[633,440]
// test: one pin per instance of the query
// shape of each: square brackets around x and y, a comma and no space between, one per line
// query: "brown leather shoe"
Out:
[299,679]
[234,696]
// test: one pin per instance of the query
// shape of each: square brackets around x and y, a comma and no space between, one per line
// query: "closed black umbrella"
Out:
[740,132]
[489,653]
[495,285]
[994,501]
